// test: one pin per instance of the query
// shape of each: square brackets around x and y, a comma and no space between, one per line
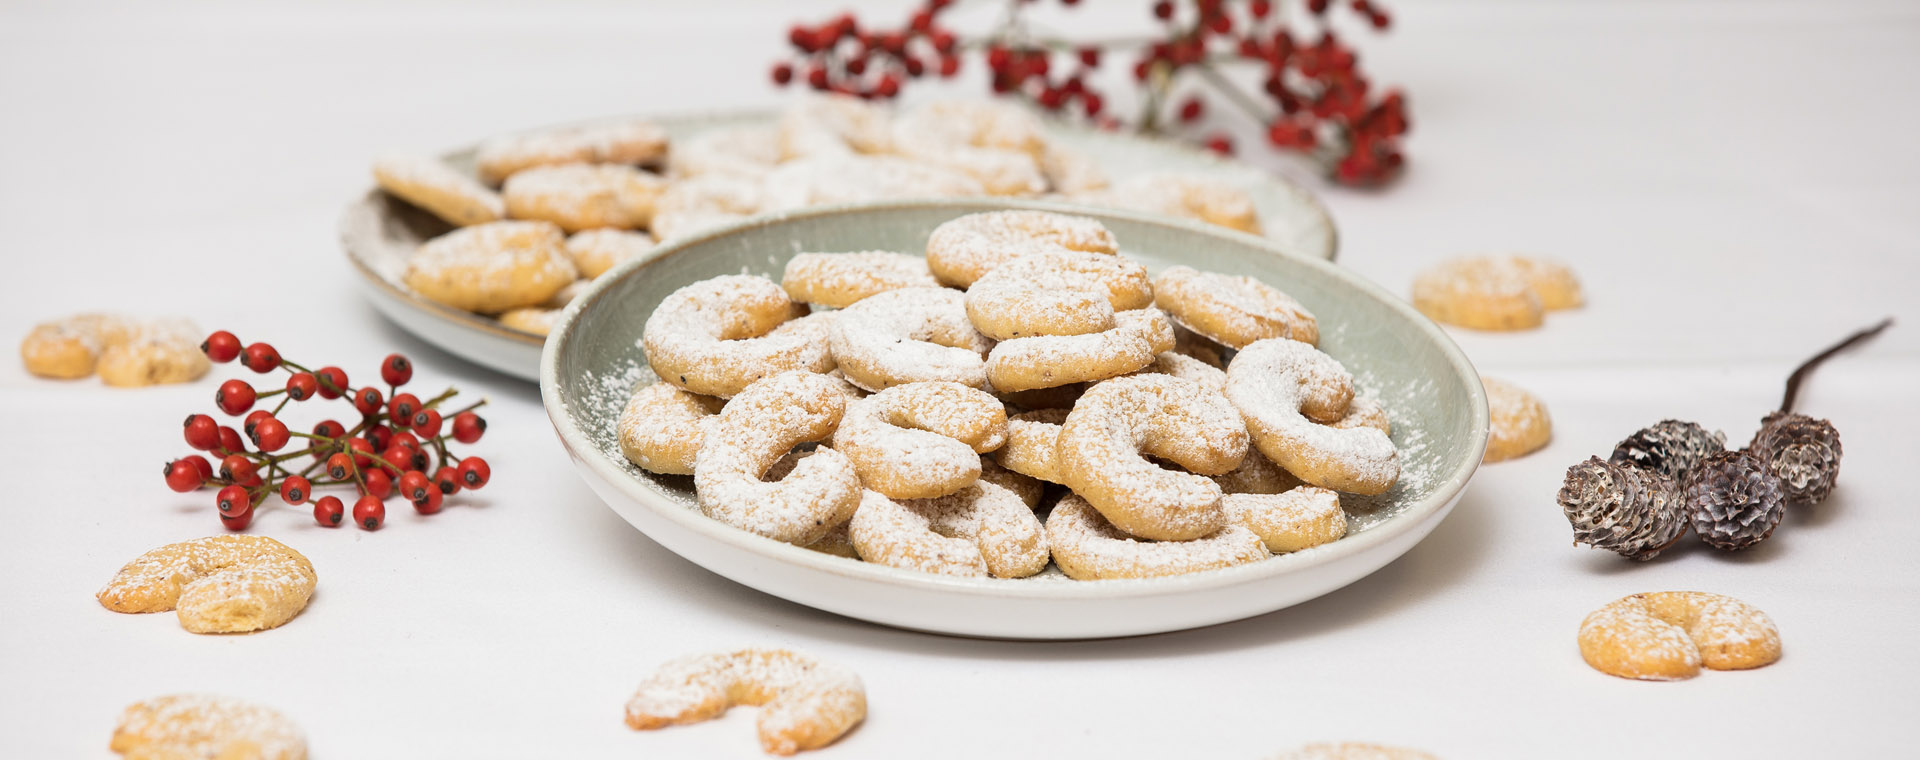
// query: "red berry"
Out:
[253,418]
[202,432]
[399,456]
[369,512]
[367,400]
[238,468]
[1317,6]
[468,427]
[229,442]
[302,385]
[380,436]
[237,522]
[233,500]
[260,357]
[403,438]
[339,466]
[328,510]
[1290,134]
[271,434]
[1221,24]
[889,86]
[415,485]
[1090,56]
[329,429]
[426,422]
[235,396]
[396,370]
[1260,8]
[1163,10]
[402,407]
[943,41]
[782,73]
[221,347]
[817,77]
[1220,144]
[949,65]
[377,482]
[1190,110]
[857,66]
[448,479]
[295,490]
[200,465]
[183,476]
[915,67]
[362,451]
[333,382]
[474,472]
[430,503]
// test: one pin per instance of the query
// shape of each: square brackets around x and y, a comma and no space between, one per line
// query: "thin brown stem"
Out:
[1800,374]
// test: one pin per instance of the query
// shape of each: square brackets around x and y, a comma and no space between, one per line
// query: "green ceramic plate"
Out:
[1431,391]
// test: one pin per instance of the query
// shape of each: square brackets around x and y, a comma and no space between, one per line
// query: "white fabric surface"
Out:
[1736,183]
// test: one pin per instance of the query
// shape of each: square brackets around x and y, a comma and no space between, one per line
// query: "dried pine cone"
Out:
[1733,501]
[1670,448]
[1622,508]
[1802,451]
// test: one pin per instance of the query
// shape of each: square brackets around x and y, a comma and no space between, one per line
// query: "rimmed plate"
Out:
[379,232]
[1433,395]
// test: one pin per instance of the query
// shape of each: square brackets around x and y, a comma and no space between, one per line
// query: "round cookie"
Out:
[1495,292]
[191,726]
[220,584]
[1105,440]
[1087,547]
[748,151]
[841,279]
[627,142]
[805,703]
[921,440]
[697,204]
[831,180]
[662,427]
[439,189]
[490,268]
[1232,311]
[1189,196]
[70,348]
[1056,293]
[1517,423]
[584,196]
[962,250]
[161,352]
[598,250]
[1669,635]
[833,125]
[1048,361]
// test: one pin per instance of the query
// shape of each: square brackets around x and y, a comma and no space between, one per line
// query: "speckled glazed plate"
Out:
[380,232]
[1433,395]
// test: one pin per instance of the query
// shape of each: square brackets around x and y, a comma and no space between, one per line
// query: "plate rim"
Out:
[584,454]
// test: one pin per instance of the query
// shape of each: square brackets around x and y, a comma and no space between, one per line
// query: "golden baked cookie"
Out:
[963,249]
[219,584]
[1057,292]
[1088,547]
[159,352]
[749,151]
[629,142]
[201,727]
[662,427]
[909,335]
[1229,310]
[1352,751]
[1495,292]
[716,336]
[490,268]
[841,279]
[833,125]
[439,189]
[856,179]
[1190,196]
[539,320]
[1048,361]
[1105,440]
[584,196]
[1289,521]
[1282,387]
[1033,440]
[1517,423]
[1669,635]
[1070,172]
[697,204]
[982,529]
[70,348]
[1256,474]
[753,432]
[598,250]
[805,703]
[921,440]
[996,143]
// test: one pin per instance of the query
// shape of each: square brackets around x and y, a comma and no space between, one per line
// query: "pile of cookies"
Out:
[549,210]
[914,411]
[124,351]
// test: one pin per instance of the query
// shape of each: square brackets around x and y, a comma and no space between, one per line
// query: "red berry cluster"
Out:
[1316,101]
[397,441]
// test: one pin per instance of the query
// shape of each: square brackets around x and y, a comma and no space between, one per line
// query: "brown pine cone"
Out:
[1670,448]
[1622,508]
[1733,501]
[1802,451]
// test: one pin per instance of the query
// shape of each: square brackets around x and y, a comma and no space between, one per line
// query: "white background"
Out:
[1736,182]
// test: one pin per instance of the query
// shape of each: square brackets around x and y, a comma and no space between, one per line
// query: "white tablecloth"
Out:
[1735,182]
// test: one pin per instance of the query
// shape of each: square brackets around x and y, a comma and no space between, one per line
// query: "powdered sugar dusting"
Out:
[205,726]
[1087,547]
